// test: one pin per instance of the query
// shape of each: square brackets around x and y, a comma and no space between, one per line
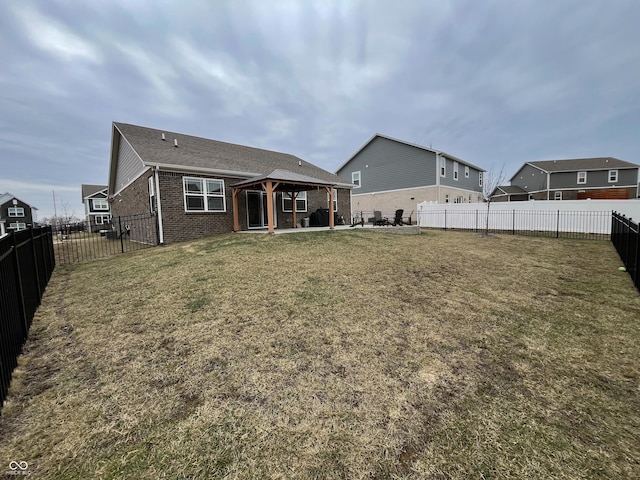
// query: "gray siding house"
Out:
[97,210]
[390,174]
[197,187]
[574,179]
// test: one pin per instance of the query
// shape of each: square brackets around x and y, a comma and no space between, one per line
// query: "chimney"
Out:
[163,139]
[175,142]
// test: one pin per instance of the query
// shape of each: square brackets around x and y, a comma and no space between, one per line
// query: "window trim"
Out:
[480,176]
[358,174]
[581,178]
[16,210]
[152,193]
[17,226]
[455,171]
[287,196]
[466,171]
[204,195]
[614,180]
[100,208]
[335,199]
[557,195]
[443,166]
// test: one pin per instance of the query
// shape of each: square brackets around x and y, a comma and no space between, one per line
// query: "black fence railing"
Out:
[539,223]
[625,236]
[120,235]
[26,264]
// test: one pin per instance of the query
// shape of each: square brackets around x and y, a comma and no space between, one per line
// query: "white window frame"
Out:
[557,195]
[102,206]
[480,175]
[466,171]
[152,193]
[613,176]
[204,194]
[581,178]
[18,225]
[455,171]
[356,179]
[335,199]
[15,211]
[443,166]
[446,198]
[301,197]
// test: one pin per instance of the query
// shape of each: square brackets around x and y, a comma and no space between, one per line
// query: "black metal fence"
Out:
[538,223]
[625,236]
[26,264]
[120,235]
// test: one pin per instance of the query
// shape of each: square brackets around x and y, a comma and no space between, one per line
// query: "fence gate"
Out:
[120,235]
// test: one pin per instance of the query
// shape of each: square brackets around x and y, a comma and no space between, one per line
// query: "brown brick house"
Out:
[197,187]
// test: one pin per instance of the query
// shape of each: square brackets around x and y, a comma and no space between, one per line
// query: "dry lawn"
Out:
[345,354]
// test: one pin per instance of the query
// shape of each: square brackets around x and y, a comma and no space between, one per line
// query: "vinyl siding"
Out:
[530,179]
[471,183]
[129,166]
[595,179]
[387,165]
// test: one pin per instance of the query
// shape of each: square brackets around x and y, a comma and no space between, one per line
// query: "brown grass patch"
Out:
[334,355]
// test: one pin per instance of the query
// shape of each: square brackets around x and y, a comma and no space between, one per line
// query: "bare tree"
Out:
[491,180]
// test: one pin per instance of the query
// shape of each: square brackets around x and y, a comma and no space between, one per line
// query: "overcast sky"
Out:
[492,82]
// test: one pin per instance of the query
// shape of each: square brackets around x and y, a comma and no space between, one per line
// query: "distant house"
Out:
[574,179]
[97,210]
[14,213]
[198,187]
[389,174]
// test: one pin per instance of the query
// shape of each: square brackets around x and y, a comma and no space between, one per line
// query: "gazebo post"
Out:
[331,219]
[236,222]
[294,197]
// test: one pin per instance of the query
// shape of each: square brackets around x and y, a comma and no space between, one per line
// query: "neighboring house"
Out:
[16,214]
[509,193]
[390,174]
[97,210]
[198,187]
[574,179]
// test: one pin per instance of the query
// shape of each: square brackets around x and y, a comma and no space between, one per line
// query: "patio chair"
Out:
[378,219]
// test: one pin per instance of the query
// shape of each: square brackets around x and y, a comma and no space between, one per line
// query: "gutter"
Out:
[159,205]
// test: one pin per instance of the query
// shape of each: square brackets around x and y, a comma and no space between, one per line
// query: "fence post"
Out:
[558,225]
[476,219]
[35,265]
[513,223]
[19,287]
[121,234]
[445,220]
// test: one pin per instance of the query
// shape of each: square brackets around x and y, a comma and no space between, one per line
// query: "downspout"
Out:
[159,206]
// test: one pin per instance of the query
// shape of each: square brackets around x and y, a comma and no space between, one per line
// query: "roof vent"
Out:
[163,139]
[175,142]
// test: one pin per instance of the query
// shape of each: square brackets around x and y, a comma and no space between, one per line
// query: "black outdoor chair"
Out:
[379,220]
[398,218]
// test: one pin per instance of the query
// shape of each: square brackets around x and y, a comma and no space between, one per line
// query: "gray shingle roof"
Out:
[287,177]
[575,164]
[511,190]
[196,152]
[91,189]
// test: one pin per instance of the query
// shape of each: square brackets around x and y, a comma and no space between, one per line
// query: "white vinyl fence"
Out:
[573,218]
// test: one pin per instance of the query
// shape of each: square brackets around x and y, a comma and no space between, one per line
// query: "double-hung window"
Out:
[443,167]
[152,194]
[455,170]
[100,204]
[18,225]
[355,179]
[301,202]
[203,195]
[613,176]
[335,199]
[582,177]
[466,171]
[16,212]
[480,175]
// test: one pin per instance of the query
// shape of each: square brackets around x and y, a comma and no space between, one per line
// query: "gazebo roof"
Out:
[286,180]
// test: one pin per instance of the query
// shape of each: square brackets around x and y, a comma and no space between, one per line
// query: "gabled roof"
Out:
[210,156]
[575,164]
[440,152]
[88,190]
[5,197]
[510,190]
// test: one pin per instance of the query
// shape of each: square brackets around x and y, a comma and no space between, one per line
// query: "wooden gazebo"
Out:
[280,181]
